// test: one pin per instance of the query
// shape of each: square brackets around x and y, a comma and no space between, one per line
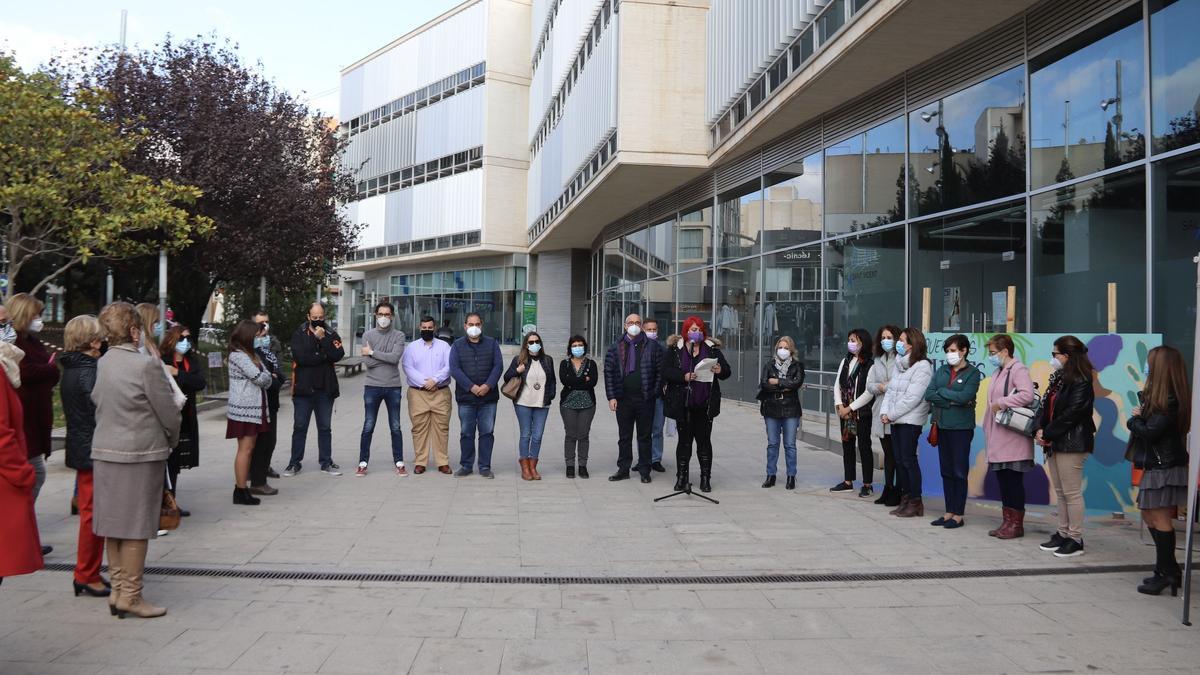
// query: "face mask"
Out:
[8,333]
[427,335]
[901,348]
[578,351]
[157,328]
[183,346]
[783,353]
[384,321]
[652,334]
[852,347]
[695,336]
[534,348]
[36,326]
[888,344]
[1055,363]
[633,330]
[262,342]
[995,360]
[474,331]
[953,358]
[317,323]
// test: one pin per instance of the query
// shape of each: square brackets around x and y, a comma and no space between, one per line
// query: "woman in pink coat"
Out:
[1009,453]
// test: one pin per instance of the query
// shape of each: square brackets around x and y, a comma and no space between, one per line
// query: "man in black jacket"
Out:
[315,348]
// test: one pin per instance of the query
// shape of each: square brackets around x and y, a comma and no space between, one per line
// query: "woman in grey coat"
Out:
[881,373]
[137,424]
[247,412]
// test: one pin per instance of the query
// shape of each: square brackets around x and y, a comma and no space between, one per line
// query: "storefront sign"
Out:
[528,312]
[1118,358]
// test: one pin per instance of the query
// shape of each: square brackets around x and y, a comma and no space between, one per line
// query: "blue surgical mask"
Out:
[995,360]
[888,344]
[901,349]
[263,342]
[183,346]
[578,351]
[535,347]
[1146,369]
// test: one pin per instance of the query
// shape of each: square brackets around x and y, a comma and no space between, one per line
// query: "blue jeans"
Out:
[473,416]
[533,423]
[303,408]
[786,426]
[905,444]
[656,432]
[954,451]
[372,397]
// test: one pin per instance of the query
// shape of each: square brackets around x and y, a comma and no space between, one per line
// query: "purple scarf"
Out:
[629,352]
[697,391]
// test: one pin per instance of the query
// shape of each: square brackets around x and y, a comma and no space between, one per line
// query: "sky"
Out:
[302,44]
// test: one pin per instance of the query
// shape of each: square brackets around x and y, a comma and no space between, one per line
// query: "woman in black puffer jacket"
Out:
[1158,431]
[1066,430]
[779,396]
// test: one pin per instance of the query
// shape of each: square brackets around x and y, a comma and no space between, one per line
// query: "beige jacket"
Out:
[136,416]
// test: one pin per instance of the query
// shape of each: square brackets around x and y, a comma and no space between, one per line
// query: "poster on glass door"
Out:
[952,308]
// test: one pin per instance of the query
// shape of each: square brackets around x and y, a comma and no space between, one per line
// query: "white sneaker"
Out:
[400,470]
[362,469]
[163,533]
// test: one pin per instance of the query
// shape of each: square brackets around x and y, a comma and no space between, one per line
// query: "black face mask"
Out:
[427,335]
[319,323]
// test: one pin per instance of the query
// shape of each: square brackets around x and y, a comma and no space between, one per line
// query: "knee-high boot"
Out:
[116,572]
[133,561]
[705,470]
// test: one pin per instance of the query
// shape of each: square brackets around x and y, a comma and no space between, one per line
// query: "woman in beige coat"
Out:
[137,424]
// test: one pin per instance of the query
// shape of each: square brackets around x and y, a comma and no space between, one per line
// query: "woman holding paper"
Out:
[693,369]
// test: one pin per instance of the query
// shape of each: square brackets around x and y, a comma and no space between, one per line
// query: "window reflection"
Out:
[661,248]
[635,248]
[1088,111]
[1087,236]
[791,303]
[864,286]
[739,220]
[1175,73]
[694,238]
[969,147]
[733,323]
[693,296]
[614,264]
[1176,229]
[866,180]
[793,206]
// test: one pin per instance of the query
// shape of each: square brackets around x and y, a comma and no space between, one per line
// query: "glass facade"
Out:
[1025,200]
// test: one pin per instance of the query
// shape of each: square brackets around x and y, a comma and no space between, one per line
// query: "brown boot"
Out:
[133,560]
[900,509]
[1007,513]
[914,509]
[116,573]
[525,475]
[1014,528]
[533,469]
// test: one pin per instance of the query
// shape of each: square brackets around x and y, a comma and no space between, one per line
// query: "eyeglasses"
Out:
[534,342]
[1053,354]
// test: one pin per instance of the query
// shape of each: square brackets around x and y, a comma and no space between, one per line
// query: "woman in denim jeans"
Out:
[535,368]
[779,393]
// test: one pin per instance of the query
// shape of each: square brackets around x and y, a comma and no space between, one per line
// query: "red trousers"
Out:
[91,547]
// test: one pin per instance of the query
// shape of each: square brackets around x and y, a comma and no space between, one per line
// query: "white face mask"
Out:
[783,353]
[634,330]
[1055,363]
[474,331]
[384,321]
[36,326]
[953,358]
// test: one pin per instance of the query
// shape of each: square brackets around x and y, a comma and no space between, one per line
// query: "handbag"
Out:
[512,388]
[1022,419]
[168,517]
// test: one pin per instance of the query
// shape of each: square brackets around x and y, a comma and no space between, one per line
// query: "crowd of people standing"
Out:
[129,392]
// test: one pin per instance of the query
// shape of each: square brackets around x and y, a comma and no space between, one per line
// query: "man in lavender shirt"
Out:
[426,365]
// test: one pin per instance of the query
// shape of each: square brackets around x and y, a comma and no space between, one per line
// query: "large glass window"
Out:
[739,220]
[1088,111]
[969,147]
[614,264]
[864,286]
[695,237]
[1176,226]
[792,301]
[1175,73]
[1090,237]
[967,268]
[661,245]
[793,204]
[637,255]
[693,296]
[736,306]
[865,185]
[659,296]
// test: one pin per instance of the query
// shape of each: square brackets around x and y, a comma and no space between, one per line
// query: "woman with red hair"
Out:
[691,401]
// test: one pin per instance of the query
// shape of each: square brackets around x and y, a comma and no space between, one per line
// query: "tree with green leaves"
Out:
[66,193]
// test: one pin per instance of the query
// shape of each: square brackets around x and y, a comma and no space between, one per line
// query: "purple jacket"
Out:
[1003,444]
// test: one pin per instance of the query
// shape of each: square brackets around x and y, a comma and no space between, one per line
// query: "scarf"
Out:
[629,352]
[782,367]
[10,359]
[269,356]
[698,391]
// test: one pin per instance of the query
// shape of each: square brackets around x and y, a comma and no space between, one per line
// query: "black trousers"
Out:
[861,439]
[889,462]
[173,469]
[264,448]
[1012,488]
[631,414]
[696,426]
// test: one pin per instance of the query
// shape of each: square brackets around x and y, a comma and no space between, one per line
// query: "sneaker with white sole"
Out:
[400,470]
[1070,549]
[332,469]
[291,470]
[362,469]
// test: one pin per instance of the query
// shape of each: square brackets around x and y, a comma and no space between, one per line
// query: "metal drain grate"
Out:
[835,577]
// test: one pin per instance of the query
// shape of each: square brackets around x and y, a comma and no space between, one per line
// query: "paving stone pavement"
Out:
[436,524]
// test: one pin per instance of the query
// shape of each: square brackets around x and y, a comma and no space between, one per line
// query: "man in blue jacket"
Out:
[631,380]
[475,365]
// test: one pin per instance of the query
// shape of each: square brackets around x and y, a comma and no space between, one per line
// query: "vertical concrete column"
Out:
[554,283]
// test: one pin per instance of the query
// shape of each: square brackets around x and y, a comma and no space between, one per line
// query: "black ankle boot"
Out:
[791,483]
[705,483]
[681,480]
[883,496]
[769,482]
[570,471]
[242,497]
